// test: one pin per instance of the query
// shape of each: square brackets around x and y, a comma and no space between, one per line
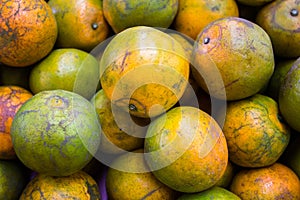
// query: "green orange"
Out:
[56,132]
[289,96]
[28,32]
[125,14]
[254,131]
[281,20]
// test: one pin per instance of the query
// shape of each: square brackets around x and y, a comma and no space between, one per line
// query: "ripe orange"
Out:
[67,69]
[125,14]
[237,49]
[28,32]
[254,132]
[81,24]
[194,15]
[289,96]
[11,99]
[273,182]
[130,178]
[186,149]
[144,71]
[281,20]
[79,185]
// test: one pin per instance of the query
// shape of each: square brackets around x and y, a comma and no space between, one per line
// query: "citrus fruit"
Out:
[17,76]
[281,20]
[28,32]
[216,193]
[11,99]
[186,149]
[289,96]
[240,51]
[281,69]
[144,71]
[81,24]
[138,183]
[56,132]
[120,135]
[79,185]
[255,135]
[254,2]
[125,14]
[273,182]
[12,179]
[67,69]
[194,15]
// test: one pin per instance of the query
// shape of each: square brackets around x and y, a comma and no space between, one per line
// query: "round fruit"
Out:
[11,99]
[289,96]
[281,20]
[194,15]
[255,135]
[273,182]
[67,69]
[56,132]
[186,149]
[81,24]
[216,193]
[281,69]
[240,51]
[120,135]
[79,185]
[138,183]
[12,179]
[144,71]
[125,14]
[28,32]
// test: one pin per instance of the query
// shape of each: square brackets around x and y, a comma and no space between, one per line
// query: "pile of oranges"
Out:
[172,99]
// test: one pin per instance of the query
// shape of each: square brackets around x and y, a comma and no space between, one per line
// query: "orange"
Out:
[81,24]
[216,193]
[194,15]
[144,71]
[255,134]
[28,32]
[56,132]
[273,182]
[12,179]
[281,69]
[186,149]
[125,14]
[289,96]
[11,99]
[119,131]
[67,69]
[79,185]
[130,178]
[239,51]
[281,20]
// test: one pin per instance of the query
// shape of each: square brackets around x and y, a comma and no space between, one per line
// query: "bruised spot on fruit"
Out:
[294,12]
[94,26]
[57,102]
